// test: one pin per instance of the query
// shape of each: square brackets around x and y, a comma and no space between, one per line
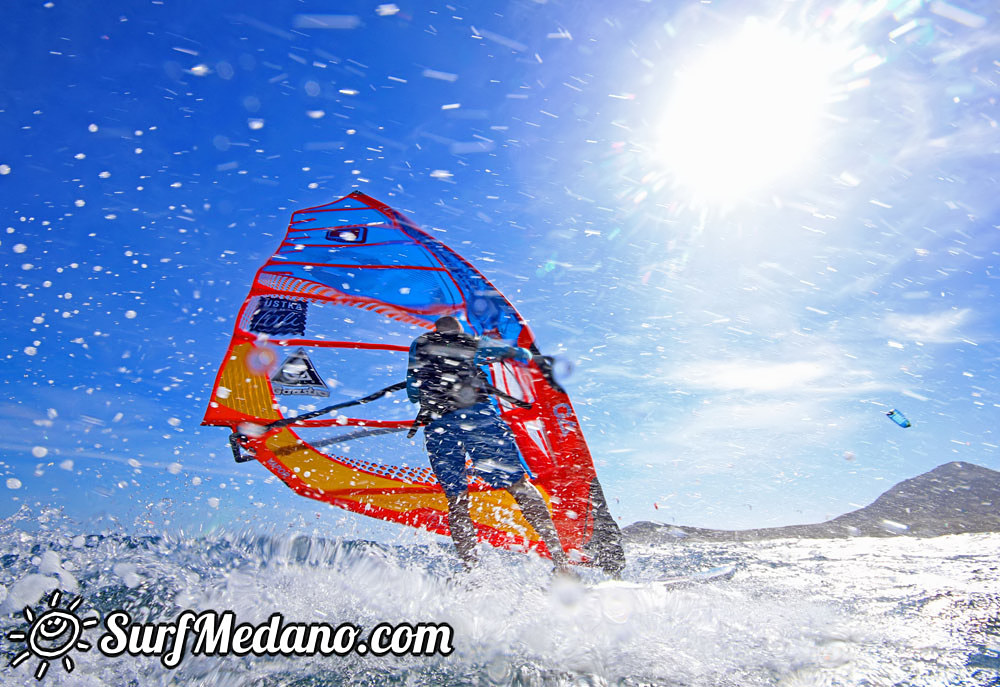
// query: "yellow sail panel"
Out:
[498,510]
[242,390]
[320,472]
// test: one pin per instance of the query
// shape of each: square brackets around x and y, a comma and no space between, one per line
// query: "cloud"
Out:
[751,376]
[76,454]
[779,380]
[728,428]
[751,410]
[942,327]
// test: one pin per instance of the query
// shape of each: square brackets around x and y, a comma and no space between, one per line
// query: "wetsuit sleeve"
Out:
[494,350]
[412,392]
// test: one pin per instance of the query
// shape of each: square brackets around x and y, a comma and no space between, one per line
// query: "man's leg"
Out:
[493,449]
[446,451]
[537,514]
[463,532]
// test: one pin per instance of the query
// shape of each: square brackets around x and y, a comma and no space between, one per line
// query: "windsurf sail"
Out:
[320,346]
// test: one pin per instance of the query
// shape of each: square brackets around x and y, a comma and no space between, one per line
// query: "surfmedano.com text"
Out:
[211,633]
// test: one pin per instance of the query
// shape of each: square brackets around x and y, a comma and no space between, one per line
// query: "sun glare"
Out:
[747,112]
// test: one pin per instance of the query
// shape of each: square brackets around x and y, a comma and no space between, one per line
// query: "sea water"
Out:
[866,611]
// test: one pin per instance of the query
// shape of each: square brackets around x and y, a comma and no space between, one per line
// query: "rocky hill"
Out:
[950,499]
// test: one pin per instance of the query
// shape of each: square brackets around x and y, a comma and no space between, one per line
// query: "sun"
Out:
[52,635]
[746,111]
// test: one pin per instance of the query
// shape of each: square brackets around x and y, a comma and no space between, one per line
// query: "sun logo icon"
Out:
[52,635]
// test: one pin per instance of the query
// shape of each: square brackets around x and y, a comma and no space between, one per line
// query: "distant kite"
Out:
[898,418]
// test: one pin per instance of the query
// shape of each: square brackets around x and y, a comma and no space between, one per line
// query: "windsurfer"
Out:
[444,376]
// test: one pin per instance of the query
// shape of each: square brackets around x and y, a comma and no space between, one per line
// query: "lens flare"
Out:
[262,360]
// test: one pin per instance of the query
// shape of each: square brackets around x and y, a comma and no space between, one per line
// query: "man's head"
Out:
[448,324]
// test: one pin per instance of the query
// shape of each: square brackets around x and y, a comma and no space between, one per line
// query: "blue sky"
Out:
[746,272]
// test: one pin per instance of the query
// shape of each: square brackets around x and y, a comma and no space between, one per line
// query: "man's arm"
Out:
[412,392]
[489,351]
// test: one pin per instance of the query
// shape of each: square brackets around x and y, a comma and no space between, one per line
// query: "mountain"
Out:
[950,499]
